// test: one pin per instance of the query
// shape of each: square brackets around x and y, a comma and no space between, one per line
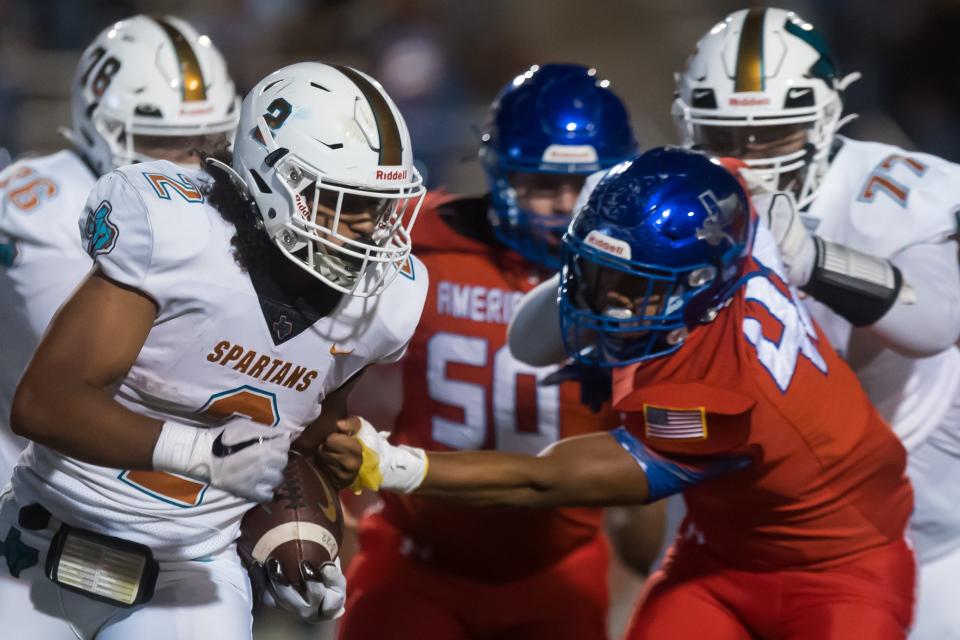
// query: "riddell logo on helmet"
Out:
[301,207]
[195,112]
[749,101]
[570,154]
[607,244]
[393,174]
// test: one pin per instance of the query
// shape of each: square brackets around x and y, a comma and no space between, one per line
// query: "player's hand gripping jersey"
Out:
[41,260]
[476,395]
[825,481]
[224,343]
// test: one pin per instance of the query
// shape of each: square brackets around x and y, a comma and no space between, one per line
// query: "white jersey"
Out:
[41,263]
[882,200]
[216,349]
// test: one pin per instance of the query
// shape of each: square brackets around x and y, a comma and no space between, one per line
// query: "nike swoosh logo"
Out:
[337,352]
[221,450]
[329,510]
[699,93]
[796,93]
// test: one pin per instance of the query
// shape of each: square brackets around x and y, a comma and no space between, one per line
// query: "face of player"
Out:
[547,194]
[756,143]
[623,296]
[180,150]
[547,199]
[360,216]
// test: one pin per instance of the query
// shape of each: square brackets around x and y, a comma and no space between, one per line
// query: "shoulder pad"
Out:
[162,181]
[399,308]
[901,198]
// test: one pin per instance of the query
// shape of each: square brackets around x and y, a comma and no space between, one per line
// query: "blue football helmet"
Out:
[658,249]
[552,119]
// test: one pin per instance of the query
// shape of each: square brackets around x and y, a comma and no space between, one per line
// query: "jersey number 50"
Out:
[445,349]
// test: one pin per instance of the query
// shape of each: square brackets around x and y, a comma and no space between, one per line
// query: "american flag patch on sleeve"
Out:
[675,424]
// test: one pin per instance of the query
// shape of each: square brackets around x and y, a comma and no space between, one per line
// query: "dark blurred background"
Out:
[444,60]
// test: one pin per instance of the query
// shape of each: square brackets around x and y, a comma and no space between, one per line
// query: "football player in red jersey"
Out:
[795,487]
[425,564]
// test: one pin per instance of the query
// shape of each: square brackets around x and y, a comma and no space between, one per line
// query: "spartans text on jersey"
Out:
[262,367]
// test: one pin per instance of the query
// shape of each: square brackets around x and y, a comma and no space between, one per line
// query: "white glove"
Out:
[779,212]
[242,457]
[326,591]
[386,466]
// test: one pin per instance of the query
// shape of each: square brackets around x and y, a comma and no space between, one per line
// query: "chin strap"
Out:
[235,178]
[70,135]
[848,80]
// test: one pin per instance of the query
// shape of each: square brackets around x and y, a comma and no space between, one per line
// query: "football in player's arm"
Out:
[715,364]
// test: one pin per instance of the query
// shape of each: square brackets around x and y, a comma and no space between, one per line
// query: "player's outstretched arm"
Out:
[62,401]
[602,469]
[586,470]
[589,470]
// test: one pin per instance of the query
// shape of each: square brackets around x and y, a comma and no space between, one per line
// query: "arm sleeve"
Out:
[667,476]
[534,334]
[925,319]
[116,231]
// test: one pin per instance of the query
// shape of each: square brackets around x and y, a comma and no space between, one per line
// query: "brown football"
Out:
[303,522]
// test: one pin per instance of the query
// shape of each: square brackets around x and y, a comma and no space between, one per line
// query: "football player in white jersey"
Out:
[146,87]
[870,241]
[225,308]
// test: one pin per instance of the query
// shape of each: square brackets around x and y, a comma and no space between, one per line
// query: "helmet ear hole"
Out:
[261,185]
[272,213]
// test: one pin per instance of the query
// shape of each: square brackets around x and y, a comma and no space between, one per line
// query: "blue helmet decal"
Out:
[658,249]
[560,119]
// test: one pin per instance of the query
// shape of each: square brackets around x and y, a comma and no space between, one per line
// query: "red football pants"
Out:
[694,596]
[393,595]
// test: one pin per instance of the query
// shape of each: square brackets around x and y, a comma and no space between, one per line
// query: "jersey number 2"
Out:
[181,491]
[780,357]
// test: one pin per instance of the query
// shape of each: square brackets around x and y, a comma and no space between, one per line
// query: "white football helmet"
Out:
[326,155]
[148,76]
[763,87]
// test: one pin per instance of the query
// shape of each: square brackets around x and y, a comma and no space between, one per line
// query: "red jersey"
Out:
[464,390]
[827,476]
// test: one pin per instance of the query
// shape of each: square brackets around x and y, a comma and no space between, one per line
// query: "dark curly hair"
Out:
[251,246]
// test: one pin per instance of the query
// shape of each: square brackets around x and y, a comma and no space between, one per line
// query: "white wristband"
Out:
[399,468]
[180,449]
[406,469]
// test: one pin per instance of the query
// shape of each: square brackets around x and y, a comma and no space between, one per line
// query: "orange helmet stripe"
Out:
[192,84]
[391,145]
[750,53]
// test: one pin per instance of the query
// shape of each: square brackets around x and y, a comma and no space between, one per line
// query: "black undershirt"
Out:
[290,299]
